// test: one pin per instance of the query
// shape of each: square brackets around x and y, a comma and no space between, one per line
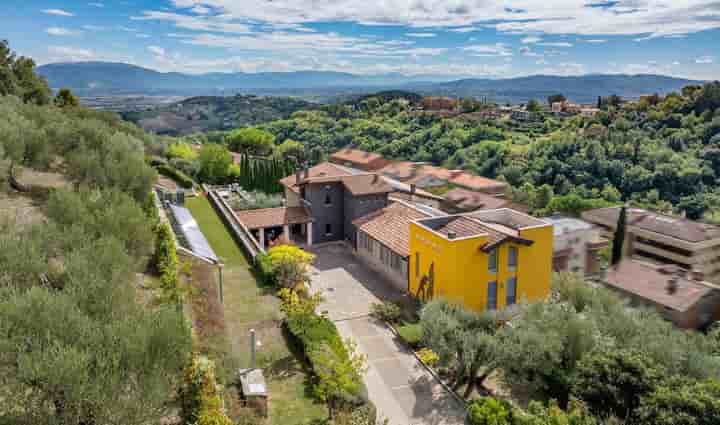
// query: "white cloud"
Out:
[556,44]
[526,51]
[96,4]
[595,40]
[531,39]
[201,10]
[62,32]
[464,29]
[621,17]
[58,12]
[421,34]
[156,50]
[705,60]
[70,54]
[489,50]
[93,28]
[197,23]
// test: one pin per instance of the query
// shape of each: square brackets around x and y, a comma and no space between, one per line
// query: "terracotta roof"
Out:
[675,227]
[324,171]
[401,170]
[411,172]
[470,200]
[367,161]
[391,226]
[273,217]
[366,184]
[650,283]
[462,227]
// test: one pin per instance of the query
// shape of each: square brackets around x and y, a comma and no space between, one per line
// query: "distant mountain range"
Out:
[105,78]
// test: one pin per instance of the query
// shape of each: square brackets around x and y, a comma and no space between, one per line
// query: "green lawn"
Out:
[247,306]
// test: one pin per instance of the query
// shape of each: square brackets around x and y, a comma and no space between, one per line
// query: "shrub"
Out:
[166,263]
[336,365]
[411,334]
[286,266]
[388,311]
[428,356]
[682,402]
[539,414]
[200,395]
[178,176]
[490,411]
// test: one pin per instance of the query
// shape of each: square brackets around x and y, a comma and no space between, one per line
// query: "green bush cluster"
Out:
[200,395]
[181,178]
[166,264]
[388,311]
[338,378]
[411,334]
[491,411]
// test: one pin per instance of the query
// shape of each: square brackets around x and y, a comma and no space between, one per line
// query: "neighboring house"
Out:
[463,200]
[486,260]
[439,103]
[361,160]
[665,239]
[680,297]
[576,245]
[429,176]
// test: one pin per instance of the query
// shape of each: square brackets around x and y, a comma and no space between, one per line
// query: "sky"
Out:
[458,38]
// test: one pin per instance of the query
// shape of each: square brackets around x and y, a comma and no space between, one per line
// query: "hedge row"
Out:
[323,348]
[166,263]
[181,178]
[200,396]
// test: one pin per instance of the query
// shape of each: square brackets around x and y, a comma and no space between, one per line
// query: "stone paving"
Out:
[402,389]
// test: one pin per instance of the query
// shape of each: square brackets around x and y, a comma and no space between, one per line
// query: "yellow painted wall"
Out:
[461,267]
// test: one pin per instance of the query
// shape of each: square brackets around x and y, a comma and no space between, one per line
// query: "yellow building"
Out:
[485,259]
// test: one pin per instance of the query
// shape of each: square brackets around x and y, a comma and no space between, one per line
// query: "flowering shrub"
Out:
[200,395]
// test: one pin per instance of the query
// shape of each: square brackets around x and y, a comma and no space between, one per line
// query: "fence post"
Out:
[220,281]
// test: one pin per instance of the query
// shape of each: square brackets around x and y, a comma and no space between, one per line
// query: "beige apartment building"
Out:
[661,238]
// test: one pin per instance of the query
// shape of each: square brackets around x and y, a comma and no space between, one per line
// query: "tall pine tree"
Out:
[619,237]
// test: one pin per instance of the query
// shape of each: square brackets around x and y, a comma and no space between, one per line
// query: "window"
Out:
[328,199]
[492,295]
[328,229]
[417,264]
[512,257]
[511,291]
[493,261]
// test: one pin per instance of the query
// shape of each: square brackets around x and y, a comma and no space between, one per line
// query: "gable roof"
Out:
[358,184]
[391,225]
[674,227]
[650,283]
[273,217]
[368,161]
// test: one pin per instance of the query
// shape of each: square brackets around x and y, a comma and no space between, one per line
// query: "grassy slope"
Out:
[248,305]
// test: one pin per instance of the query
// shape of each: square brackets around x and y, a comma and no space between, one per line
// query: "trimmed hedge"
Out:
[318,338]
[166,263]
[181,178]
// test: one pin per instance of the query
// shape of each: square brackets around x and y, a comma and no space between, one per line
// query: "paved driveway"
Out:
[401,388]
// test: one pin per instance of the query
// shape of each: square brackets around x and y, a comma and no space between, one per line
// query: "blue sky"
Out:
[481,38]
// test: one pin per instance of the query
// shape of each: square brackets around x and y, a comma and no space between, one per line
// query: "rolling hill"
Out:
[104,78]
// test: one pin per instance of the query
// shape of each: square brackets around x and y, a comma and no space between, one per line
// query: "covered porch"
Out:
[278,225]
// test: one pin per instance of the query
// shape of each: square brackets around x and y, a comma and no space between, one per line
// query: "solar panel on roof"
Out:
[191,231]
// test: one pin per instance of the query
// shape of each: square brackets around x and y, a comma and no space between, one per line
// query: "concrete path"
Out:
[402,389]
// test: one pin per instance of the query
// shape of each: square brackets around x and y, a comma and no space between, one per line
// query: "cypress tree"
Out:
[619,237]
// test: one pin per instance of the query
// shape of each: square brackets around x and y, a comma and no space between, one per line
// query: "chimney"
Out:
[672,286]
[306,171]
[413,189]
[452,235]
